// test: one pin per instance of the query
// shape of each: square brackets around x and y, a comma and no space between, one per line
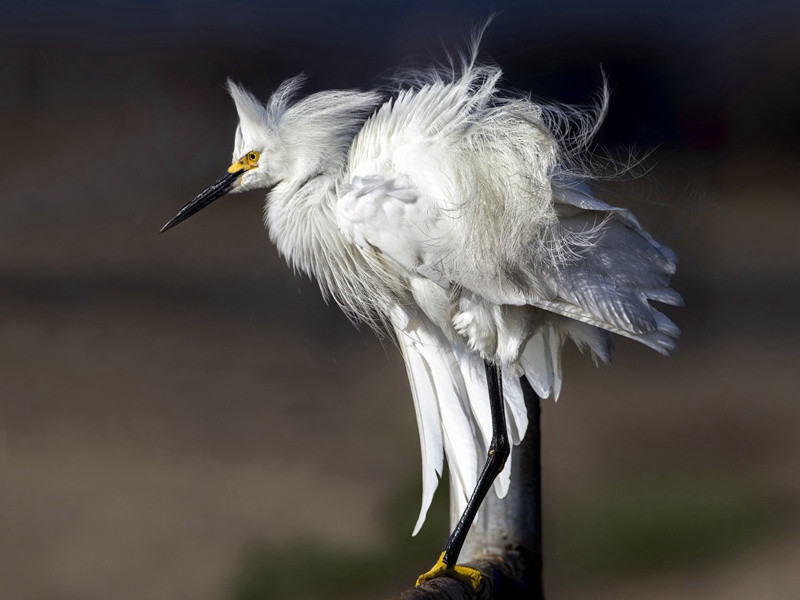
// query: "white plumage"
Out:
[460,218]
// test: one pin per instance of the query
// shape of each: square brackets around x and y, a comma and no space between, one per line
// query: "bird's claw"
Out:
[468,575]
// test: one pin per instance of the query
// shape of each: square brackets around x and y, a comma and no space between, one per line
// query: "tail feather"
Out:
[541,362]
[599,341]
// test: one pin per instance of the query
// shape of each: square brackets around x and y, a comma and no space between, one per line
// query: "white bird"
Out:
[460,218]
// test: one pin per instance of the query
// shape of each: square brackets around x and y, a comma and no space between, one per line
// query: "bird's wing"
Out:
[608,270]
[448,384]
[613,272]
[392,216]
[406,173]
[460,189]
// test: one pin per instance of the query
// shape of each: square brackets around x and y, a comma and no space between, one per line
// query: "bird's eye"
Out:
[252,157]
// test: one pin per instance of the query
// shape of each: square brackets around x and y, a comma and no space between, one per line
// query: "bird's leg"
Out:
[499,450]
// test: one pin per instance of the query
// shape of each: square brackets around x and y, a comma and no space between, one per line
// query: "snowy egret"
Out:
[460,218]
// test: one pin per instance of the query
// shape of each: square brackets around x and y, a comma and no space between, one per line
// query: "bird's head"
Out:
[284,141]
[261,159]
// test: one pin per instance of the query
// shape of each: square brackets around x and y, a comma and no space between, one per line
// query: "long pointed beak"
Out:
[219,188]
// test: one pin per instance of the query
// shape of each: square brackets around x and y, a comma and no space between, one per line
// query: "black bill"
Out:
[220,187]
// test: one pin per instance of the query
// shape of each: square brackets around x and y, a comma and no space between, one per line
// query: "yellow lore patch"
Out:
[247,162]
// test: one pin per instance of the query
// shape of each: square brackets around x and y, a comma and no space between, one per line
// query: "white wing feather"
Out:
[388,215]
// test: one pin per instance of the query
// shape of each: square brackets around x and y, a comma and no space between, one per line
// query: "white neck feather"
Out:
[302,225]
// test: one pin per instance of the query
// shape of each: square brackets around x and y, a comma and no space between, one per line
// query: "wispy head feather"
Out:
[283,95]
[250,110]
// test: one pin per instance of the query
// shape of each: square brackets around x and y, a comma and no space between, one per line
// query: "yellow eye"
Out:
[246,163]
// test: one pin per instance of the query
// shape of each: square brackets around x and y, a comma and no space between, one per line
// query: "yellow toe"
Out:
[468,575]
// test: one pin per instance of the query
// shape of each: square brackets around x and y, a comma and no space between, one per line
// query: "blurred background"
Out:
[182,417]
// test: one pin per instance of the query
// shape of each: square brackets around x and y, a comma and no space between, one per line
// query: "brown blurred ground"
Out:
[167,400]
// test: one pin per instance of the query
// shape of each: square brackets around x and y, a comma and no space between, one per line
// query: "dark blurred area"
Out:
[181,416]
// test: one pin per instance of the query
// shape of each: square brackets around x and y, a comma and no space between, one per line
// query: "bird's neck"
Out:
[300,219]
[302,224]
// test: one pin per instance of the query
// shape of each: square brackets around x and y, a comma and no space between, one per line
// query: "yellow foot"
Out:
[468,575]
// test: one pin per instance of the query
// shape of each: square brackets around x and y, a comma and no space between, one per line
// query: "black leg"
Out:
[498,453]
